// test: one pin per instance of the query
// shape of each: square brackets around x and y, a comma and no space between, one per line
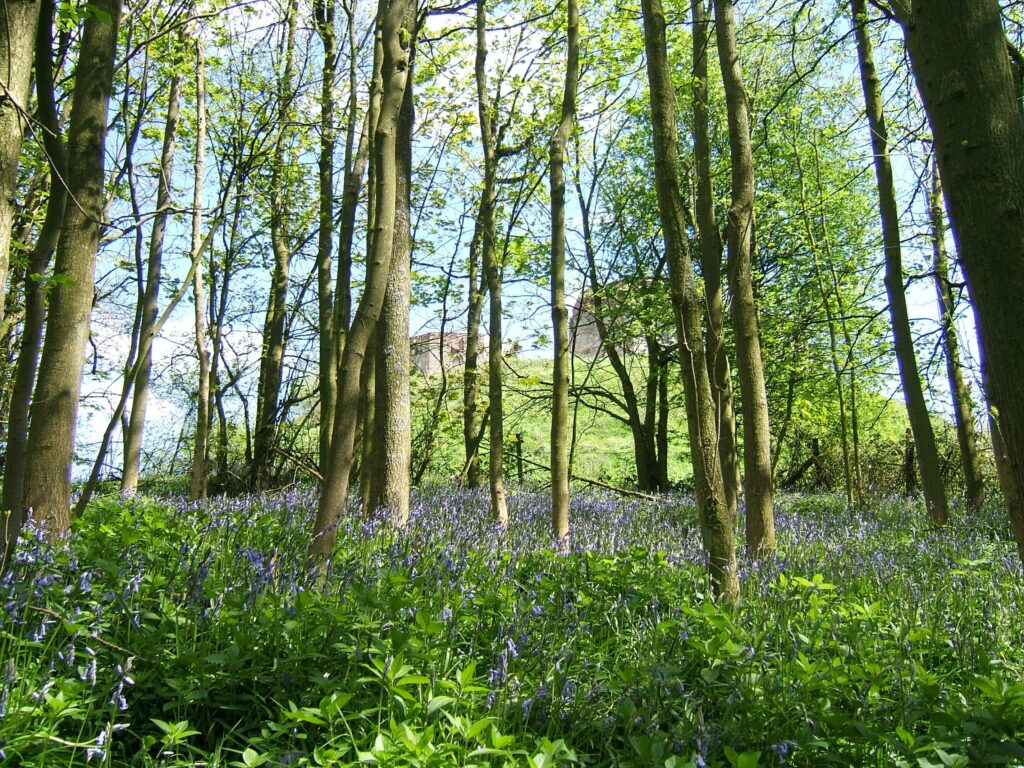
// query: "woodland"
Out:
[511,383]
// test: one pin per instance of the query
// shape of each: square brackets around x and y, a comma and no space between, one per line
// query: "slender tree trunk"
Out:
[477,288]
[11,508]
[757,460]
[50,448]
[323,16]
[963,408]
[711,261]
[906,359]
[18,23]
[154,269]
[274,330]
[393,424]
[367,416]
[199,467]
[702,419]
[492,272]
[395,64]
[559,314]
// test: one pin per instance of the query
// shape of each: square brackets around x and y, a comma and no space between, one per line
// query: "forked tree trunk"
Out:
[702,420]
[395,41]
[562,365]
[757,459]
[906,359]
[710,241]
[199,466]
[154,272]
[960,392]
[18,23]
[492,273]
[51,440]
[11,508]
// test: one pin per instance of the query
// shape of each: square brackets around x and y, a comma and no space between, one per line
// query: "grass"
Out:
[164,633]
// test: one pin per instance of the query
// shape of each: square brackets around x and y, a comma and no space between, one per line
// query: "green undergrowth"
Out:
[174,634]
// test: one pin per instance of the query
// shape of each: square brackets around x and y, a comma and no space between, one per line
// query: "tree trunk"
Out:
[906,359]
[757,460]
[274,333]
[702,420]
[559,314]
[35,291]
[50,449]
[492,272]
[477,288]
[18,23]
[395,64]
[323,17]
[960,392]
[199,470]
[393,423]
[154,270]
[710,242]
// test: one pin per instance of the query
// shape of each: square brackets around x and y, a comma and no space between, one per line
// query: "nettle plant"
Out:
[184,634]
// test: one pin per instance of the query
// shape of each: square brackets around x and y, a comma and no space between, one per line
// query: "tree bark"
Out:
[492,273]
[274,327]
[323,17]
[906,359]
[11,507]
[199,465]
[960,392]
[154,269]
[710,242]
[702,419]
[393,422]
[562,363]
[19,20]
[757,461]
[395,62]
[477,288]
[50,449]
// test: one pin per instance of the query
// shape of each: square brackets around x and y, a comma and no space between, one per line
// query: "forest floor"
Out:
[165,633]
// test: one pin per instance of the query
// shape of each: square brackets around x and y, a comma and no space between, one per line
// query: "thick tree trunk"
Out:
[323,17]
[274,327]
[906,359]
[960,392]
[50,449]
[702,419]
[757,460]
[562,363]
[393,422]
[199,467]
[154,269]
[18,23]
[492,273]
[395,40]
[11,508]
[710,242]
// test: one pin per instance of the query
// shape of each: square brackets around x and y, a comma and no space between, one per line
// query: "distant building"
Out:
[432,351]
[584,336]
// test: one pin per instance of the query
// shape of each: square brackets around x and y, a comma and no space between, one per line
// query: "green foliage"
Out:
[163,635]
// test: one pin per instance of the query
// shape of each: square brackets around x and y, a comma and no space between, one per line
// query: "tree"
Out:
[18,23]
[559,314]
[702,419]
[917,408]
[395,41]
[154,273]
[50,447]
[959,58]
[757,460]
